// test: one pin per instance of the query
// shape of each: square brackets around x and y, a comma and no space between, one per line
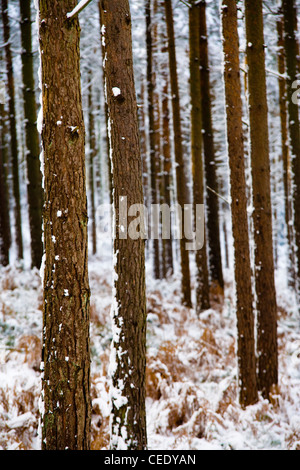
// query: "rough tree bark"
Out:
[66,352]
[153,134]
[213,226]
[12,129]
[128,360]
[202,281]
[91,162]
[181,183]
[242,266]
[291,53]
[262,214]
[34,176]
[285,157]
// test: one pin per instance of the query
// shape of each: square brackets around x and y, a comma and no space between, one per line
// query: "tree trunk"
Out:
[291,53]
[202,282]
[242,265]
[262,213]
[128,360]
[153,136]
[285,158]
[13,130]
[181,183]
[66,419]
[110,182]
[34,176]
[5,235]
[92,157]
[213,226]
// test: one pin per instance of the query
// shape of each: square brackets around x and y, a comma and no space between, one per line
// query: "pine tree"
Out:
[291,53]
[262,214]
[128,360]
[91,162]
[12,129]
[202,287]
[153,131]
[213,226]
[285,153]
[181,182]
[66,418]
[34,176]
[242,266]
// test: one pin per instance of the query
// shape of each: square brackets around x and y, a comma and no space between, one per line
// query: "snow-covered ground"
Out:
[191,367]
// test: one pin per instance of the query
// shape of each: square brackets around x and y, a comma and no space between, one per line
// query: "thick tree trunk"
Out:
[34,176]
[128,360]
[66,351]
[242,266]
[213,226]
[202,282]
[262,214]
[181,183]
[291,53]
[13,130]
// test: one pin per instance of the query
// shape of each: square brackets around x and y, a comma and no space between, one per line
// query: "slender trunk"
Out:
[5,236]
[128,418]
[143,140]
[154,162]
[168,267]
[34,176]
[110,182]
[13,130]
[181,183]
[92,157]
[202,282]
[242,265]
[291,54]
[66,420]
[213,226]
[285,147]
[262,213]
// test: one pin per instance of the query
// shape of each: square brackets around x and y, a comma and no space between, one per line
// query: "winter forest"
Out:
[150,225]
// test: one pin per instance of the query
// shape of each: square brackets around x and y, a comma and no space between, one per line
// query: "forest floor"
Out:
[191,368]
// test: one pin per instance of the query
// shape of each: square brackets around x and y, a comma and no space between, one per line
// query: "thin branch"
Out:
[219,195]
[78,9]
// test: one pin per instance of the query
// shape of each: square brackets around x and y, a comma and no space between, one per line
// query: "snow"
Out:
[191,366]
[81,5]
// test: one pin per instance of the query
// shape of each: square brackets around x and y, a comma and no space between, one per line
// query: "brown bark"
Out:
[202,282]
[291,54]
[13,130]
[242,265]
[128,424]
[92,158]
[181,183]
[285,156]
[5,235]
[34,176]
[262,214]
[212,223]
[153,135]
[66,351]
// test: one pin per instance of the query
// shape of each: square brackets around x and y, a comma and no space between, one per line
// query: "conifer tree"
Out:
[266,304]
[128,357]
[66,417]
[242,265]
